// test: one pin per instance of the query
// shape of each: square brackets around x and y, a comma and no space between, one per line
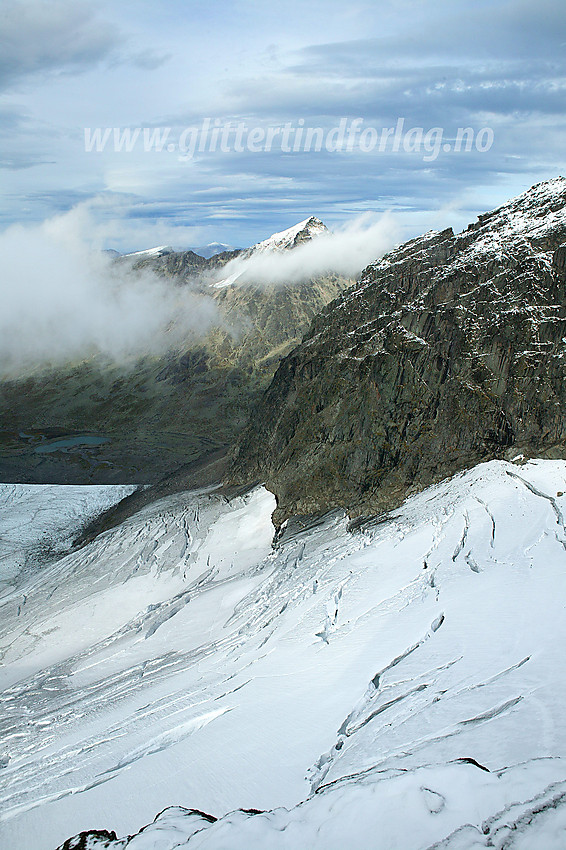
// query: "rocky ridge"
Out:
[449,350]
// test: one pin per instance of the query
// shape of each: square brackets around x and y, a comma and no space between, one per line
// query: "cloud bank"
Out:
[63,300]
[42,37]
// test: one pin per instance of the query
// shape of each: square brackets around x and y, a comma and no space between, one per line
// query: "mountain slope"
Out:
[395,686]
[450,350]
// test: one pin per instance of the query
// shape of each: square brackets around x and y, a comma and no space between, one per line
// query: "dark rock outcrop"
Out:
[175,820]
[97,839]
[449,351]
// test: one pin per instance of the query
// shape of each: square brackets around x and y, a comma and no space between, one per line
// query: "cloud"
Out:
[500,64]
[63,300]
[346,251]
[40,36]
[149,59]
[430,64]
[18,148]
[451,32]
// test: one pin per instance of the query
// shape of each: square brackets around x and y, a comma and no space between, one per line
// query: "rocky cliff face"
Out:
[450,350]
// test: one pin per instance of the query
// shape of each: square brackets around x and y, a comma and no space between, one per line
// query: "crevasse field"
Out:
[397,687]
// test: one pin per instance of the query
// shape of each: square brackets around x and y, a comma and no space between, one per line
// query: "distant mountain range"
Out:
[293,236]
[205,251]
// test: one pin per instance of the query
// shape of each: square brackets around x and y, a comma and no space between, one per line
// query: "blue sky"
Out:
[68,64]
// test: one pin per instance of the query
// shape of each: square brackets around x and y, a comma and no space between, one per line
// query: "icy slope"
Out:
[39,520]
[397,687]
[159,251]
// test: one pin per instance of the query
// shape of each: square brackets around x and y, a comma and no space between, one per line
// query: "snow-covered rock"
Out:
[159,251]
[310,228]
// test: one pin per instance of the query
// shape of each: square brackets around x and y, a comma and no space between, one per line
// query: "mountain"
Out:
[190,264]
[394,685]
[286,240]
[214,256]
[181,265]
[449,350]
[208,251]
[302,232]
[95,422]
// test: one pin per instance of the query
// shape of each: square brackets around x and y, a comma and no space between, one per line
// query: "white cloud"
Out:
[63,300]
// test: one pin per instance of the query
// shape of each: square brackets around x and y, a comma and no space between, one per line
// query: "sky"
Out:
[495,67]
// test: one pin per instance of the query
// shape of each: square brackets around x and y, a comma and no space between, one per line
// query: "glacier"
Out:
[190,678]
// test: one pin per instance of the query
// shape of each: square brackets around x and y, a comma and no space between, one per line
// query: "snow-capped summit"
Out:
[285,240]
[213,248]
[159,251]
[305,230]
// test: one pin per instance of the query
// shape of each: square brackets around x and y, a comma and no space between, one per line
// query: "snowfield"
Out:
[37,521]
[398,686]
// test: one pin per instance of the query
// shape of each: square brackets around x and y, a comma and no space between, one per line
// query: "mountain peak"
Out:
[305,230]
[534,216]
[284,240]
